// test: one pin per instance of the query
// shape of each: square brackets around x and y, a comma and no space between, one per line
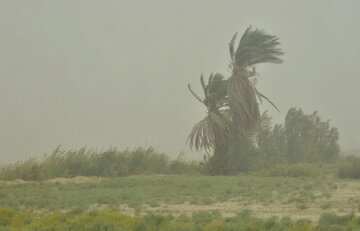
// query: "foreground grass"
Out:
[114,221]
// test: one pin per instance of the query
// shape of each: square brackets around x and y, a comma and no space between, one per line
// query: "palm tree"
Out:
[233,103]
[214,130]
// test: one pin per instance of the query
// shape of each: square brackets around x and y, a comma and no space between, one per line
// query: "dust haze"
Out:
[114,73]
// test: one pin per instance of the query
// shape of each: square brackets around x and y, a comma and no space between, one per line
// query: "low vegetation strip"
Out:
[88,162]
[113,221]
[147,161]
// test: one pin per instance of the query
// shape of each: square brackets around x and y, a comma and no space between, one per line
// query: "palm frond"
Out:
[256,46]
[211,132]
[203,83]
[216,92]
[260,95]
[194,94]
[232,48]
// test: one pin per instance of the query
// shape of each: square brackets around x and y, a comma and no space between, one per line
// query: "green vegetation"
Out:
[87,162]
[138,191]
[309,138]
[113,221]
[179,202]
[304,138]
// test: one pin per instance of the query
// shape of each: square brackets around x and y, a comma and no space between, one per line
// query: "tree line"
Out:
[302,138]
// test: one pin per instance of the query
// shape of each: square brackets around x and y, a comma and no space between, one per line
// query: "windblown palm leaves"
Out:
[255,47]
[215,129]
[233,103]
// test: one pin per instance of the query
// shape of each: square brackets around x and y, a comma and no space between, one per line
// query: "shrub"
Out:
[350,168]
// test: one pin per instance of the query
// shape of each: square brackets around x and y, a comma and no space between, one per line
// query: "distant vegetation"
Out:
[88,162]
[281,150]
[303,138]
[291,149]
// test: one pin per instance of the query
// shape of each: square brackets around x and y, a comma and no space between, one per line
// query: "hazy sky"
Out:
[101,73]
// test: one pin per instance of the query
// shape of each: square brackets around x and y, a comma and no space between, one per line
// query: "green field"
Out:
[225,197]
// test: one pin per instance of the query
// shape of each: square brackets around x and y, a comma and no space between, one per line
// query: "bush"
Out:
[350,168]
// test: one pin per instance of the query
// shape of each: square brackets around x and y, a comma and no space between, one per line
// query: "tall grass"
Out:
[89,162]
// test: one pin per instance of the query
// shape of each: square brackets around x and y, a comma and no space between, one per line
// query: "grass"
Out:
[113,221]
[107,163]
[326,205]
[178,202]
[155,191]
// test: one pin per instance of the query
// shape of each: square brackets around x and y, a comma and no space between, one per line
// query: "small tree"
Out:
[326,139]
[309,138]
[300,136]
